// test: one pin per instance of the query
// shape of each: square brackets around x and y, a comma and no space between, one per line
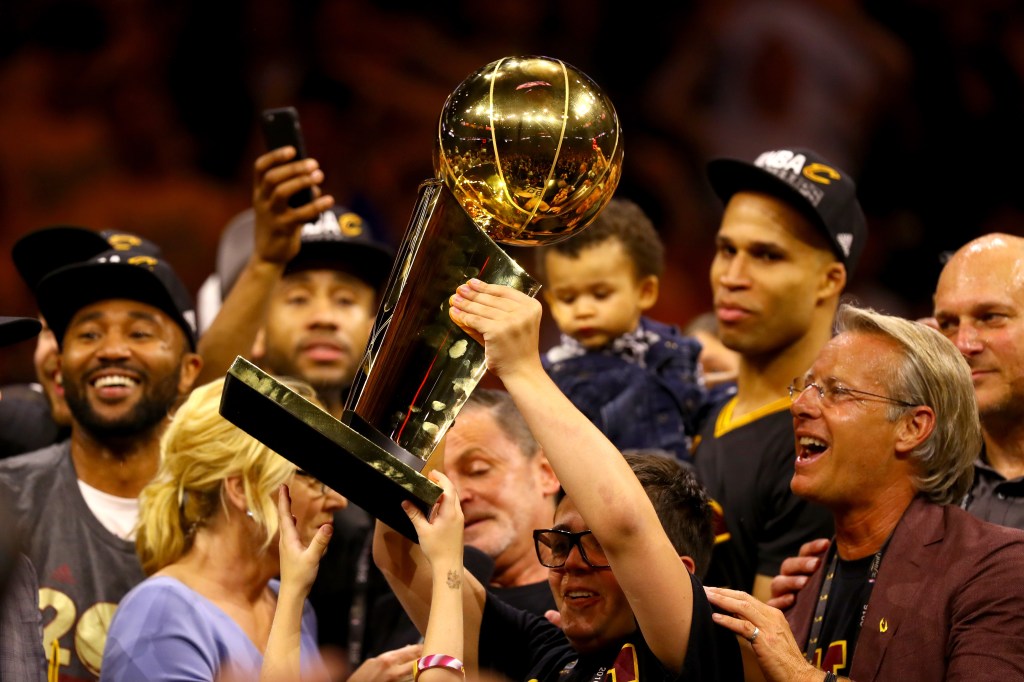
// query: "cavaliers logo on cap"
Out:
[819,172]
[143,261]
[124,242]
[350,224]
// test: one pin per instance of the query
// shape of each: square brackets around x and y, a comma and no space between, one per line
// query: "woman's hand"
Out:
[299,563]
[440,536]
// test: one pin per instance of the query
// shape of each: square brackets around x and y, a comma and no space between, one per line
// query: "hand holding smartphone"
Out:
[280,129]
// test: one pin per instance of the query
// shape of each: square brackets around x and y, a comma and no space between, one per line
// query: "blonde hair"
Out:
[198,451]
[933,373]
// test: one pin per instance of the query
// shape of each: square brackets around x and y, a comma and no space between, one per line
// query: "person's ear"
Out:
[690,564]
[833,281]
[191,364]
[234,494]
[546,478]
[914,428]
[648,292]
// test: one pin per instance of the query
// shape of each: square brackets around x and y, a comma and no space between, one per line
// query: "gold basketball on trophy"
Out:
[531,148]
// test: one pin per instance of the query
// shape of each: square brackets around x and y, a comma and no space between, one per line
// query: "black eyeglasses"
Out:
[553,547]
[315,483]
[830,395]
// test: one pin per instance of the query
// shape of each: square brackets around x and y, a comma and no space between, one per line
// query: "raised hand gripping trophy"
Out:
[528,152]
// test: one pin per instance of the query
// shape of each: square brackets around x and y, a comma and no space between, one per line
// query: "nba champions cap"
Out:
[39,253]
[823,192]
[134,274]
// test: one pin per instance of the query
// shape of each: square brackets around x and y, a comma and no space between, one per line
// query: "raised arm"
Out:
[276,232]
[441,541]
[409,574]
[592,471]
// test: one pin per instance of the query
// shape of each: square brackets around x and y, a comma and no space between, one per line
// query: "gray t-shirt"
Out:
[84,570]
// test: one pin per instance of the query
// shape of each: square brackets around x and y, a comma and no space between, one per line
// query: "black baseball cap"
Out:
[15,329]
[133,274]
[819,189]
[48,249]
[339,240]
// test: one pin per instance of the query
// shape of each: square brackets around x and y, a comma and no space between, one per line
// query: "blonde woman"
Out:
[209,540]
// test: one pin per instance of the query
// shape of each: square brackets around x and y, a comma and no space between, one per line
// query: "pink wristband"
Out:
[438,661]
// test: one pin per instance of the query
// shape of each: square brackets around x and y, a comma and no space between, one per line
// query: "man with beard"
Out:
[125,327]
[35,415]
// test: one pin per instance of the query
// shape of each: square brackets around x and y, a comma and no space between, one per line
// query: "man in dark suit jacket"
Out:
[913,588]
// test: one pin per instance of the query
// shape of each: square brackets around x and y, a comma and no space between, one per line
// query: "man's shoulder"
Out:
[31,482]
[962,525]
[971,546]
[43,462]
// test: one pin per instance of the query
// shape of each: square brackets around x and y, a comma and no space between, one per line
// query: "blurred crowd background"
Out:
[142,114]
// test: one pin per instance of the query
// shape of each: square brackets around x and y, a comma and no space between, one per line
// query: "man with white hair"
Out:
[913,587]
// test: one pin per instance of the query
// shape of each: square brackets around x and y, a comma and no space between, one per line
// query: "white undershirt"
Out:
[117,514]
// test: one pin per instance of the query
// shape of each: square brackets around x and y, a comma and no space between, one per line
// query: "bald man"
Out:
[979,306]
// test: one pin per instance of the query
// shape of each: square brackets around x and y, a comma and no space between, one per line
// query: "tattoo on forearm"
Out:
[454,579]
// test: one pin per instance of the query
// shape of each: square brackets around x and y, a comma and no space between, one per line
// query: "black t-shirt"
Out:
[523,646]
[746,465]
[847,597]
[388,627]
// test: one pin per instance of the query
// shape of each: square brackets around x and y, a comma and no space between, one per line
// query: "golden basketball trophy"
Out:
[528,151]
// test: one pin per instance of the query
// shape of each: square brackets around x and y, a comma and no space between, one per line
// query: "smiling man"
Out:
[790,236]
[914,588]
[619,570]
[125,325]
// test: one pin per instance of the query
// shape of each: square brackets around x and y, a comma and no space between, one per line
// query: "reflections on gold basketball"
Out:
[531,147]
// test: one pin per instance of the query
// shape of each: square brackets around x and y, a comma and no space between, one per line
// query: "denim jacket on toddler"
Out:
[642,390]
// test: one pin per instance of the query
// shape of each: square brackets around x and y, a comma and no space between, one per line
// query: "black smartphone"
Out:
[280,129]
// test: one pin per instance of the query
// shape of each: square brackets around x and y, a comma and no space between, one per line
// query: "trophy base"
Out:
[351,463]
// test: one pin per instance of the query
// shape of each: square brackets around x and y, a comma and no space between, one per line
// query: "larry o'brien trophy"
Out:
[528,151]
